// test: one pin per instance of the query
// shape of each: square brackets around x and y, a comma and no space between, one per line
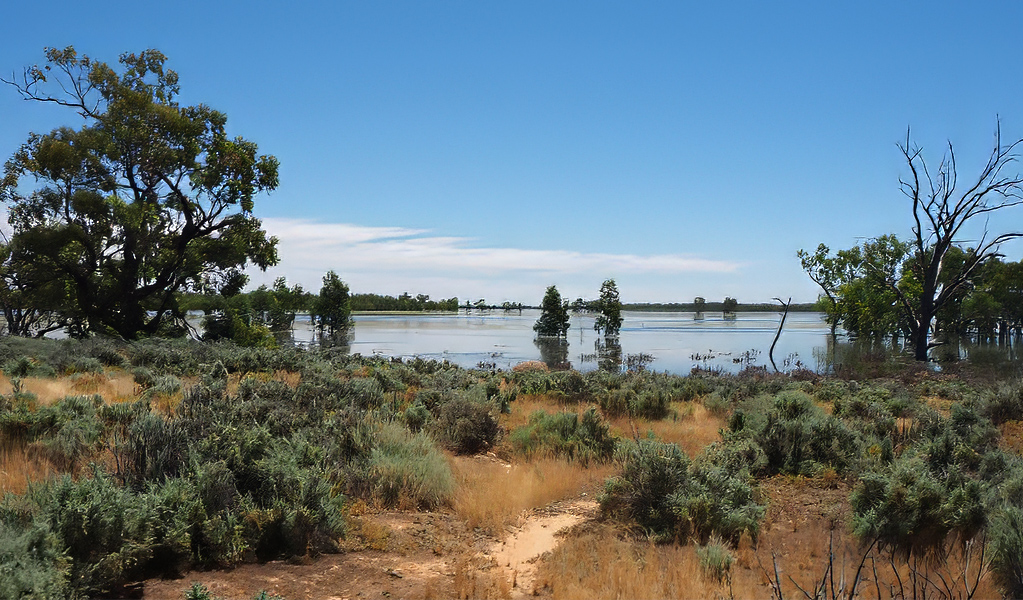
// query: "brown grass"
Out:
[598,564]
[1012,436]
[481,582]
[114,387]
[692,427]
[491,494]
[21,465]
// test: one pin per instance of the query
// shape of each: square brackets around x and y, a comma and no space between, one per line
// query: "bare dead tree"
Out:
[785,313]
[942,210]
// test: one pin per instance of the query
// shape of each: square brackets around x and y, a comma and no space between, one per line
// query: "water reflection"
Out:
[554,352]
[662,341]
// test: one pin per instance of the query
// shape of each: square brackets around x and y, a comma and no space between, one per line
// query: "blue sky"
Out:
[491,149]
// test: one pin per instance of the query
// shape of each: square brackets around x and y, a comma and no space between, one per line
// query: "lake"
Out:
[671,341]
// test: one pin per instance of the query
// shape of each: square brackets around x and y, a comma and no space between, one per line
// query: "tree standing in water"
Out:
[610,319]
[553,321]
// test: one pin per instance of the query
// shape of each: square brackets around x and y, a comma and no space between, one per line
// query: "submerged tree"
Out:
[609,321]
[333,310]
[148,198]
[554,318]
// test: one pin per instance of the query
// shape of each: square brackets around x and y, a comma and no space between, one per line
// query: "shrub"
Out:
[1007,544]
[715,559]
[417,416]
[31,566]
[408,470]
[1004,402]
[467,427]
[799,438]
[673,499]
[565,435]
[906,507]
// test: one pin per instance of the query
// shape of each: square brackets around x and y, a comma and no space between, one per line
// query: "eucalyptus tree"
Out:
[944,215]
[145,199]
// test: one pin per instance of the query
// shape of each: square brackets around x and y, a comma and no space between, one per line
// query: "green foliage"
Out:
[907,507]
[408,470]
[674,499]
[403,303]
[1007,546]
[554,318]
[147,198]
[31,566]
[583,438]
[467,426]
[715,559]
[332,310]
[609,321]
[796,436]
[1005,402]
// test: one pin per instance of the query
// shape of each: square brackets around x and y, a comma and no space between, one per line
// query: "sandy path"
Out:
[537,534]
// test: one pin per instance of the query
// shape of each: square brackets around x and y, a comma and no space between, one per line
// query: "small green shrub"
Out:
[715,559]
[1004,402]
[417,416]
[1007,544]
[567,435]
[466,427]
[408,470]
[673,499]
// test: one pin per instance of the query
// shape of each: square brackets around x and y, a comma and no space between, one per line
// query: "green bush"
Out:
[1007,550]
[567,435]
[31,566]
[467,427]
[1004,402]
[907,507]
[408,470]
[673,499]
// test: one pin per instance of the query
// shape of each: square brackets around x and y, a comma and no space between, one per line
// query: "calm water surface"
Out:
[674,341]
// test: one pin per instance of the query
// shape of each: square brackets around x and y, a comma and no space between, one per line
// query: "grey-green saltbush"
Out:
[566,435]
[674,499]
[409,470]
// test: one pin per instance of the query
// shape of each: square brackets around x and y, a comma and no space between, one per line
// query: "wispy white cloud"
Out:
[358,248]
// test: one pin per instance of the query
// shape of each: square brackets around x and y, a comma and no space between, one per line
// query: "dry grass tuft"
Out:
[481,582]
[598,564]
[692,427]
[20,465]
[118,386]
[531,365]
[491,494]
[1012,436]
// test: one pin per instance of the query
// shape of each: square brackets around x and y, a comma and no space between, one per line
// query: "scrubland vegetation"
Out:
[122,461]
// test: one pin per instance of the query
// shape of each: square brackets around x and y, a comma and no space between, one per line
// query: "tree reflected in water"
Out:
[554,352]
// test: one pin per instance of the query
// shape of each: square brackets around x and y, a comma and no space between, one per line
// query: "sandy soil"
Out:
[539,533]
[400,555]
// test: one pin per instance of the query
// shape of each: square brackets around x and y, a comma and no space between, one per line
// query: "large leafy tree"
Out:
[926,277]
[146,199]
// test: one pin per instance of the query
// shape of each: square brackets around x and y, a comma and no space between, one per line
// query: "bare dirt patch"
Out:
[538,535]
[418,557]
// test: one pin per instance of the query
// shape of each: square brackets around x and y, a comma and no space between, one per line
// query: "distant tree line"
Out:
[404,302]
[723,306]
